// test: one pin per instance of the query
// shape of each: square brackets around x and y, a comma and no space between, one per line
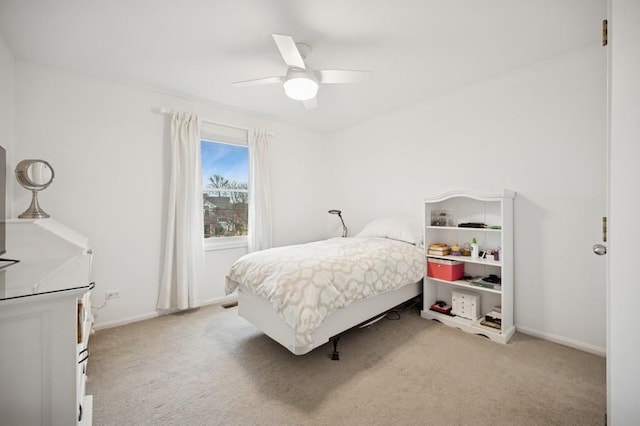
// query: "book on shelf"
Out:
[439,252]
[438,246]
[472,225]
[491,324]
[495,314]
[493,317]
[479,282]
[484,284]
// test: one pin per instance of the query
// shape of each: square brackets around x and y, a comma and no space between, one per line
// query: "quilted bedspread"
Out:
[306,283]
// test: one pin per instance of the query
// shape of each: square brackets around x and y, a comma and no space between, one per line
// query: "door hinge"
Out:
[605,32]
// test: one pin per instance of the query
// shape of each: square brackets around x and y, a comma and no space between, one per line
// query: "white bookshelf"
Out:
[495,211]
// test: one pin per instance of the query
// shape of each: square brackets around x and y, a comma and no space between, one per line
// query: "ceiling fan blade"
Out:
[343,76]
[289,51]
[310,103]
[265,80]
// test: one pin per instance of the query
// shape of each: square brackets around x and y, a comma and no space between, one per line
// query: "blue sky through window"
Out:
[230,161]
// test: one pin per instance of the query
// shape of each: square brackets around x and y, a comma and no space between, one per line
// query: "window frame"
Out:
[219,134]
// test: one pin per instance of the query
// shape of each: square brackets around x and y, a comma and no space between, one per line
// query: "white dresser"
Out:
[45,322]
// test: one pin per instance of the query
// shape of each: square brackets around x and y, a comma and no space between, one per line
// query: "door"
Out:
[623,289]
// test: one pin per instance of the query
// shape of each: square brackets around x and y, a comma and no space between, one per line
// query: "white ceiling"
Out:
[416,49]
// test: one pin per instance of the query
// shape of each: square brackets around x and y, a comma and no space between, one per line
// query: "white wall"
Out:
[539,131]
[7,84]
[111,158]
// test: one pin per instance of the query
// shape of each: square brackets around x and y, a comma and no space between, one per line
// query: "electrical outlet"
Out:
[112,294]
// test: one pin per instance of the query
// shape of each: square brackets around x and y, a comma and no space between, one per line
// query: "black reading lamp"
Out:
[344,227]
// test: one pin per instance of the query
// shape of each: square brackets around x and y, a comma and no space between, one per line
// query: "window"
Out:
[225,187]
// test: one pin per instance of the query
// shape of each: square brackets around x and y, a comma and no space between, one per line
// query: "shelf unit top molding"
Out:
[506,193]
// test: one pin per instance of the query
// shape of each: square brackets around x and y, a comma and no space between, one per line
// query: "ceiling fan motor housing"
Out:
[300,84]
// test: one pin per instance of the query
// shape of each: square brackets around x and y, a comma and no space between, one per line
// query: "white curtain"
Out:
[260,236]
[184,244]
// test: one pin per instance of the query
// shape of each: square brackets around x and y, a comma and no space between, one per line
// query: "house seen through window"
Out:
[225,188]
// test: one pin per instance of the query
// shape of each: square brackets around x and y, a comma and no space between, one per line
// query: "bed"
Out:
[304,295]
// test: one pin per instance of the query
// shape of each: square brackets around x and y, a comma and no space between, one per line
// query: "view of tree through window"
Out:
[225,183]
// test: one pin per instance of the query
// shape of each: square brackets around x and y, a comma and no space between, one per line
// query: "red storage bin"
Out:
[449,270]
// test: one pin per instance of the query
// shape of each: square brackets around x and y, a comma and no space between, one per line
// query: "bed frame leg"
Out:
[335,355]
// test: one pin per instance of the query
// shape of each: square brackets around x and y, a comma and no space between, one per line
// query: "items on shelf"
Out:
[448,270]
[456,250]
[465,304]
[493,318]
[438,249]
[474,248]
[491,324]
[485,282]
[441,218]
[491,254]
[472,225]
[492,279]
[441,307]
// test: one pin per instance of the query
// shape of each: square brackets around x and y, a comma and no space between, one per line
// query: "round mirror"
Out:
[34,175]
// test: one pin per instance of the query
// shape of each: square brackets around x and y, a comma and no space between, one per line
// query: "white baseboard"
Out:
[596,350]
[110,324]
[586,347]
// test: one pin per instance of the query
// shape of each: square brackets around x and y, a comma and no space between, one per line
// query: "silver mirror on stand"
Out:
[34,175]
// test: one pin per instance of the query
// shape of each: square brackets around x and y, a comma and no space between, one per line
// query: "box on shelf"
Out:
[441,218]
[465,304]
[449,270]
[441,307]
[494,317]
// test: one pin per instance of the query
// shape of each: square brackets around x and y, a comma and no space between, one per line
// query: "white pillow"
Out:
[389,227]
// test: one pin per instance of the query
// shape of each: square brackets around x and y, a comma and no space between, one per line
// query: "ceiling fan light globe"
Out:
[300,88]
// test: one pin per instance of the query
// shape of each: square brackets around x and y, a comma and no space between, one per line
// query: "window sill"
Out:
[214,244]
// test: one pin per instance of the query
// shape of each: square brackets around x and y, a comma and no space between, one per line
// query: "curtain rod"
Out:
[162,110]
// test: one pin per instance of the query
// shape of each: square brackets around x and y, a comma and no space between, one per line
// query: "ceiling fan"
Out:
[301,82]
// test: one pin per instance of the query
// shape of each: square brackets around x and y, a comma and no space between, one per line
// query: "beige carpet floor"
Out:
[211,367]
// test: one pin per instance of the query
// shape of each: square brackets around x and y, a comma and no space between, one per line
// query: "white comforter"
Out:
[305,283]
